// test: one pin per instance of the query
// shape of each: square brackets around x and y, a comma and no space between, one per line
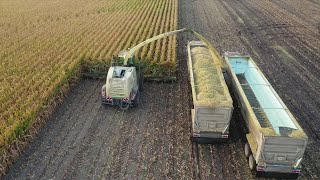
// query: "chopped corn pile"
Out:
[210,86]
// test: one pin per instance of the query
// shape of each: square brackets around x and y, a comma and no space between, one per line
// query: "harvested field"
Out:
[86,140]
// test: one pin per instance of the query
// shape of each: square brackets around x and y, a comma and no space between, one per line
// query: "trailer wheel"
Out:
[193,139]
[247,150]
[252,163]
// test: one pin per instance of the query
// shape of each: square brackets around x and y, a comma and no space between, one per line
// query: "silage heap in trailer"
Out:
[210,87]
[212,102]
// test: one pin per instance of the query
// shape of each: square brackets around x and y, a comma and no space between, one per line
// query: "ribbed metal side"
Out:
[260,114]
[283,151]
[213,120]
[117,88]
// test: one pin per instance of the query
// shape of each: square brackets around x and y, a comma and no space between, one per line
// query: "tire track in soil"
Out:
[107,119]
[152,154]
[113,147]
[300,51]
[72,139]
[205,161]
[85,154]
[28,165]
[310,34]
[195,165]
[99,158]
[121,157]
[162,133]
[147,162]
[142,164]
[171,168]
[132,161]
[146,121]
[120,146]
[81,153]
[167,134]
[216,163]
[135,137]
[182,122]
[108,133]
[307,14]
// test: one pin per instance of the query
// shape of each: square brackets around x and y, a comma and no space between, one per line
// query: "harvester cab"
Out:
[119,60]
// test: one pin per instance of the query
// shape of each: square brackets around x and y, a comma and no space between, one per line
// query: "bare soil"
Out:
[86,140]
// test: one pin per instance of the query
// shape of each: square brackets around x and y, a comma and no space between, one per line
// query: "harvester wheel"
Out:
[103,93]
[136,100]
[247,150]
[141,79]
[252,163]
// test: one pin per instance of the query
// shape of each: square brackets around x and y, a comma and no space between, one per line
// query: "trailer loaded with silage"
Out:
[212,102]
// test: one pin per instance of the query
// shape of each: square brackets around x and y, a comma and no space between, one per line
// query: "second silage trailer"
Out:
[275,141]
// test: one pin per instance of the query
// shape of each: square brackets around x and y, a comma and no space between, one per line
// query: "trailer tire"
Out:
[247,150]
[252,163]
[200,141]
[194,140]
